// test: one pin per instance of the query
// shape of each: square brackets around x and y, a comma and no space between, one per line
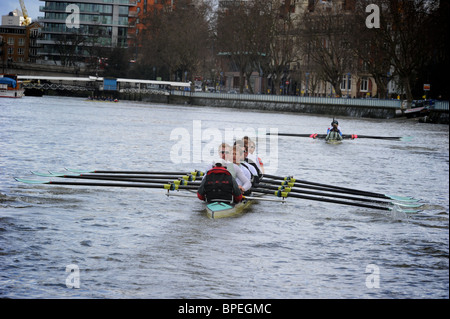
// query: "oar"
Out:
[333,195]
[335,189]
[194,173]
[118,177]
[135,185]
[291,182]
[355,136]
[183,180]
[314,135]
[264,199]
[347,136]
[170,187]
[329,200]
[113,176]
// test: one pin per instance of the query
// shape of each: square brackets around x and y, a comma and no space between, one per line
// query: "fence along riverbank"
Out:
[178,92]
[372,108]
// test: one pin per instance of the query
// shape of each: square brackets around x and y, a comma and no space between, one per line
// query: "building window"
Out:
[20,51]
[364,85]
[346,83]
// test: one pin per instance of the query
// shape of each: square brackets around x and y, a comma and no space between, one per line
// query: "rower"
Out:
[239,155]
[219,186]
[226,160]
[251,157]
[334,132]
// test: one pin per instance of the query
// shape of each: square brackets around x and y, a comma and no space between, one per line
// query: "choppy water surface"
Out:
[137,243]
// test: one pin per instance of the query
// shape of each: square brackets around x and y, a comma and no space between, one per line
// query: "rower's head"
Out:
[251,147]
[240,145]
[335,123]
[224,151]
[238,154]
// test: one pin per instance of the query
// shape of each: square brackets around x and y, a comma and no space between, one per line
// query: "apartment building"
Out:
[76,27]
[18,43]
[138,18]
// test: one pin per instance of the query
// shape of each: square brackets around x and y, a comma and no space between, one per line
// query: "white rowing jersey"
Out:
[252,158]
[250,168]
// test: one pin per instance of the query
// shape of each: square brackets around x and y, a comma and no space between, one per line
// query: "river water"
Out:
[94,242]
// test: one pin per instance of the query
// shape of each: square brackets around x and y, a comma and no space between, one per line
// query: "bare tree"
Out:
[370,49]
[236,37]
[282,47]
[176,38]
[404,36]
[69,46]
[257,35]
[325,40]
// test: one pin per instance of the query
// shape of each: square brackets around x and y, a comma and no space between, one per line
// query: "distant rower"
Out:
[334,132]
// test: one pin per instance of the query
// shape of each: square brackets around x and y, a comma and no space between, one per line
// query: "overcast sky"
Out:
[6,6]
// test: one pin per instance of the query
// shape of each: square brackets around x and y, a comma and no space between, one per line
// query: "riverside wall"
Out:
[330,107]
[335,110]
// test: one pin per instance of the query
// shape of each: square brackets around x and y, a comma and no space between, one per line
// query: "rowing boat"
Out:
[217,210]
[333,141]
[221,209]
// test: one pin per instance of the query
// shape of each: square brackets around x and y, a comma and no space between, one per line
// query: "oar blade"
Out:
[42,174]
[401,198]
[407,205]
[28,181]
[79,171]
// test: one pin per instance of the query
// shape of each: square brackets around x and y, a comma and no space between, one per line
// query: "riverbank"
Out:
[334,107]
[357,108]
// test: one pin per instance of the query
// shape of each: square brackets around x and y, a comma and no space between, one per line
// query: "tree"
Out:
[176,38]
[405,34]
[118,60]
[236,37]
[369,46]
[324,39]
[257,35]
[281,35]
[69,47]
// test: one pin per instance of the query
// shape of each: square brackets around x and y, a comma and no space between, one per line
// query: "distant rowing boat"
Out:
[100,100]
[344,136]
[335,142]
